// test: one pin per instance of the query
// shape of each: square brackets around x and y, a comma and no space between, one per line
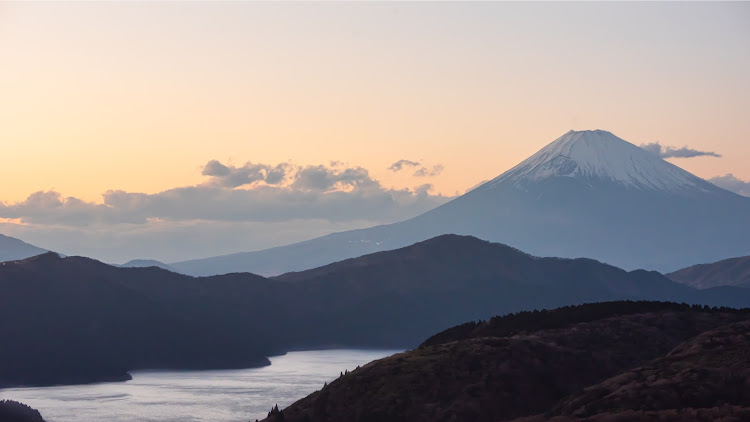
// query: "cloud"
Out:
[275,194]
[400,164]
[732,183]
[670,152]
[423,189]
[237,208]
[420,172]
[425,172]
[232,177]
[307,178]
[51,205]
[322,179]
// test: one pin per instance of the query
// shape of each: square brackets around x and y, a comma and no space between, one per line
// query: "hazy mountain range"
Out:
[587,194]
[71,320]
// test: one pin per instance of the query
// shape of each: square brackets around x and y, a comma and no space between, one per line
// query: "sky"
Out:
[176,130]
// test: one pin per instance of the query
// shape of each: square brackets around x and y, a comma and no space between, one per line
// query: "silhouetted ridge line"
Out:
[103,321]
[13,411]
[530,321]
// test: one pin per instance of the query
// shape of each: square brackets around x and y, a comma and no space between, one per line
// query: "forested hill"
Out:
[12,411]
[562,363]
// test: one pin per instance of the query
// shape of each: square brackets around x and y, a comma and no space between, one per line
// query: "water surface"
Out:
[171,396]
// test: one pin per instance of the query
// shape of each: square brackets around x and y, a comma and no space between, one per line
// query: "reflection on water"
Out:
[226,395]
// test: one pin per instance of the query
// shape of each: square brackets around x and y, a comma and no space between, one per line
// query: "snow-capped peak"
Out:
[598,154]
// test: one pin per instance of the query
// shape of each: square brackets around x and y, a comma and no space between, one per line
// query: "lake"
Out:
[222,396]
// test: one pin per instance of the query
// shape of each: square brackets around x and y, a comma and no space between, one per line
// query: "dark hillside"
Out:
[12,411]
[530,321]
[508,373]
[704,379]
[72,320]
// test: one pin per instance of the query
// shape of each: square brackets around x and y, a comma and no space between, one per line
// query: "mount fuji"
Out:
[587,194]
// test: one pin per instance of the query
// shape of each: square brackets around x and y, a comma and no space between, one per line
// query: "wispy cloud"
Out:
[400,164]
[429,172]
[670,152]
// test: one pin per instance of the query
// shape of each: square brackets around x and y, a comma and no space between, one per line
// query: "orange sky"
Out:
[138,96]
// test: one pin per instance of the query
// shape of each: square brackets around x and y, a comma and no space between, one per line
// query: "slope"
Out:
[703,379]
[13,249]
[728,272]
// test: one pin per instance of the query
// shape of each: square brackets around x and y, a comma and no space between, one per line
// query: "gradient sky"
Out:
[140,96]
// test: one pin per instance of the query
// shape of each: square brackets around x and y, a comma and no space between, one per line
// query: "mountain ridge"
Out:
[727,272]
[604,156]
[106,320]
[676,221]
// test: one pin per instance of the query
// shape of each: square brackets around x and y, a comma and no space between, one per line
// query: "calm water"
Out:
[227,395]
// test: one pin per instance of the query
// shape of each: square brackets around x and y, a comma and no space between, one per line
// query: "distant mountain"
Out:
[525,365]
[102,321]
[729,272]
[144,263]
[588,193]
[12,249]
